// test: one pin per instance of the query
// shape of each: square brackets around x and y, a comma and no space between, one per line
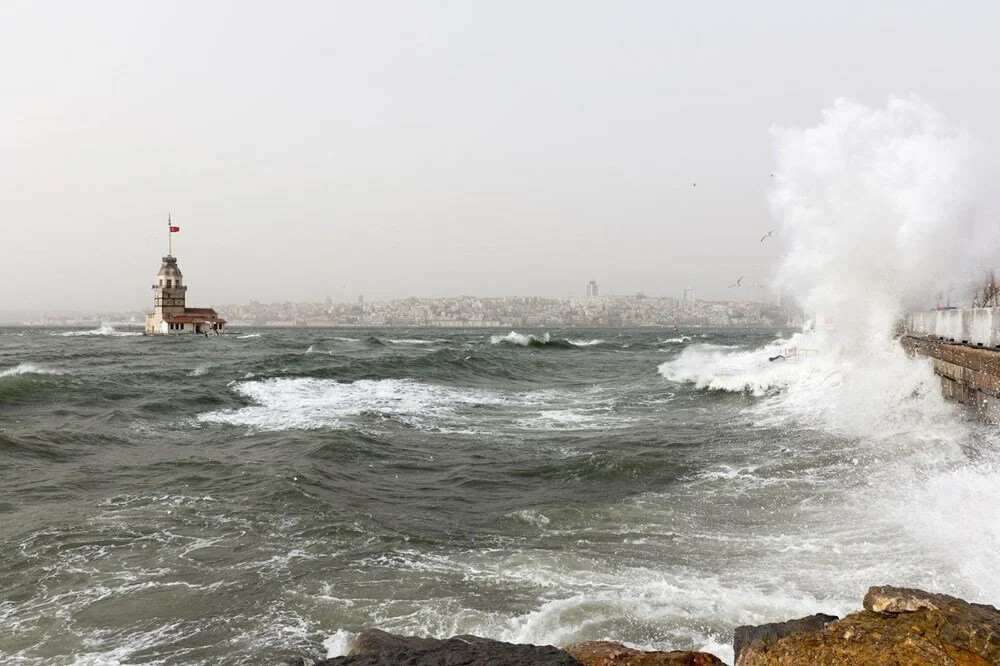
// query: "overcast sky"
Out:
[434,148]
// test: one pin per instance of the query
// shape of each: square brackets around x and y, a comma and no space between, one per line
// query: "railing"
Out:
[972,326]
[795,353]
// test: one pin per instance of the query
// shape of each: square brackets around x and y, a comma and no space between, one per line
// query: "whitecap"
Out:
[585,343]
[308,403]
[519,339]
[103,330]
[28,369]
[338,644]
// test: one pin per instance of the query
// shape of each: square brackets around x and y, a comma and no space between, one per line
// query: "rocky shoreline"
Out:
[897,626]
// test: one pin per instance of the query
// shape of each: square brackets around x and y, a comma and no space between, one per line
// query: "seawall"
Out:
[969,375]
[963,345]
[978,327]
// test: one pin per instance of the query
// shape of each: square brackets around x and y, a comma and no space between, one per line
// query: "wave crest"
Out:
[28,369]
[102,330]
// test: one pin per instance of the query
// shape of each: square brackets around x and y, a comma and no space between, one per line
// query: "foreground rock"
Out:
[606,653]
[898,626]
[373,647]
[379,647]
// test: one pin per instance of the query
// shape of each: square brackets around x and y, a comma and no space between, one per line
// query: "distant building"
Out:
[689,295]
[592,289]
[170,314]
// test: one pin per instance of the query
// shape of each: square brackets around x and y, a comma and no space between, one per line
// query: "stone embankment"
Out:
[970,375]
[898,626]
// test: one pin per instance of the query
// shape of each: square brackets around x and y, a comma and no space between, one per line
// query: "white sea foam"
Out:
[248,336]
[675,341]
[200,370]
[102,330]
[308,403]
[338,643]
[574,419]
[28,369]
[530,516]
[519,339]
[585,343]
[413,341]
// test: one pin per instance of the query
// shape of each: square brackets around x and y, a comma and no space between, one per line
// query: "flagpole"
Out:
[170,239]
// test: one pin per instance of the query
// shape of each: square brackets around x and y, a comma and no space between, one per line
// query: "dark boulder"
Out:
[378,648]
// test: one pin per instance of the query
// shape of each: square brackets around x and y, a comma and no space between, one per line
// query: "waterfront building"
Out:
[170,313]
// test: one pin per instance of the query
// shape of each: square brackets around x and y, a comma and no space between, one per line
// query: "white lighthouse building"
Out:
[170,314]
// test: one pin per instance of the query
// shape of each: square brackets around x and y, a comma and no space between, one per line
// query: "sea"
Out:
[272,492]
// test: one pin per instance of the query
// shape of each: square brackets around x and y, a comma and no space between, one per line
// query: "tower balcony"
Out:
[181,288]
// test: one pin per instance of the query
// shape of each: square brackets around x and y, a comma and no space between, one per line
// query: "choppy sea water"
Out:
[234,499]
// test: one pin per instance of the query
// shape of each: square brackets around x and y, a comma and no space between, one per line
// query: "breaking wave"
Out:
[585,343]
[874,212]
[102,330]
[28,369]
[544,340]
[307,404]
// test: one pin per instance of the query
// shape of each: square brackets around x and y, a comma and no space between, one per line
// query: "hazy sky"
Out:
[434,148]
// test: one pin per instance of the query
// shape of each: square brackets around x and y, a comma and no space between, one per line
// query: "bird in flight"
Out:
[737,283]
[767,235]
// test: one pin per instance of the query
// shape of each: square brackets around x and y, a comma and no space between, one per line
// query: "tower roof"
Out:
[169,268]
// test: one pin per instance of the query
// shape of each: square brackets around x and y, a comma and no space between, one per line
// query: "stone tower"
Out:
[170,312]
[169,290]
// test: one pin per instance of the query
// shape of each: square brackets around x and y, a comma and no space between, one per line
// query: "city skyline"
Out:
[637,310]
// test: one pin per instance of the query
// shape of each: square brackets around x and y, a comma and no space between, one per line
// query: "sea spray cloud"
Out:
[874,208]
[875,211]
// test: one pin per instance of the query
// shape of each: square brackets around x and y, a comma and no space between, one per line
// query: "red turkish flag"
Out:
[174,229]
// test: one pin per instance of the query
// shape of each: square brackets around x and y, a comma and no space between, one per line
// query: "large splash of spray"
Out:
[874,206]
[875,211]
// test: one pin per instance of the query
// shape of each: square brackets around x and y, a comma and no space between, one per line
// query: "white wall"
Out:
[973,326]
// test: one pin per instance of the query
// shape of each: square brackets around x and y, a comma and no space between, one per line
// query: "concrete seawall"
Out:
[969,375]
[979,327]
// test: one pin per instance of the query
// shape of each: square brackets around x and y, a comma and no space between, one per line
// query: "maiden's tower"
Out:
[170,313]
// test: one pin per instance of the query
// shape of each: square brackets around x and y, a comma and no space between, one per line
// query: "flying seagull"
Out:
[767,235]
[737,283]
